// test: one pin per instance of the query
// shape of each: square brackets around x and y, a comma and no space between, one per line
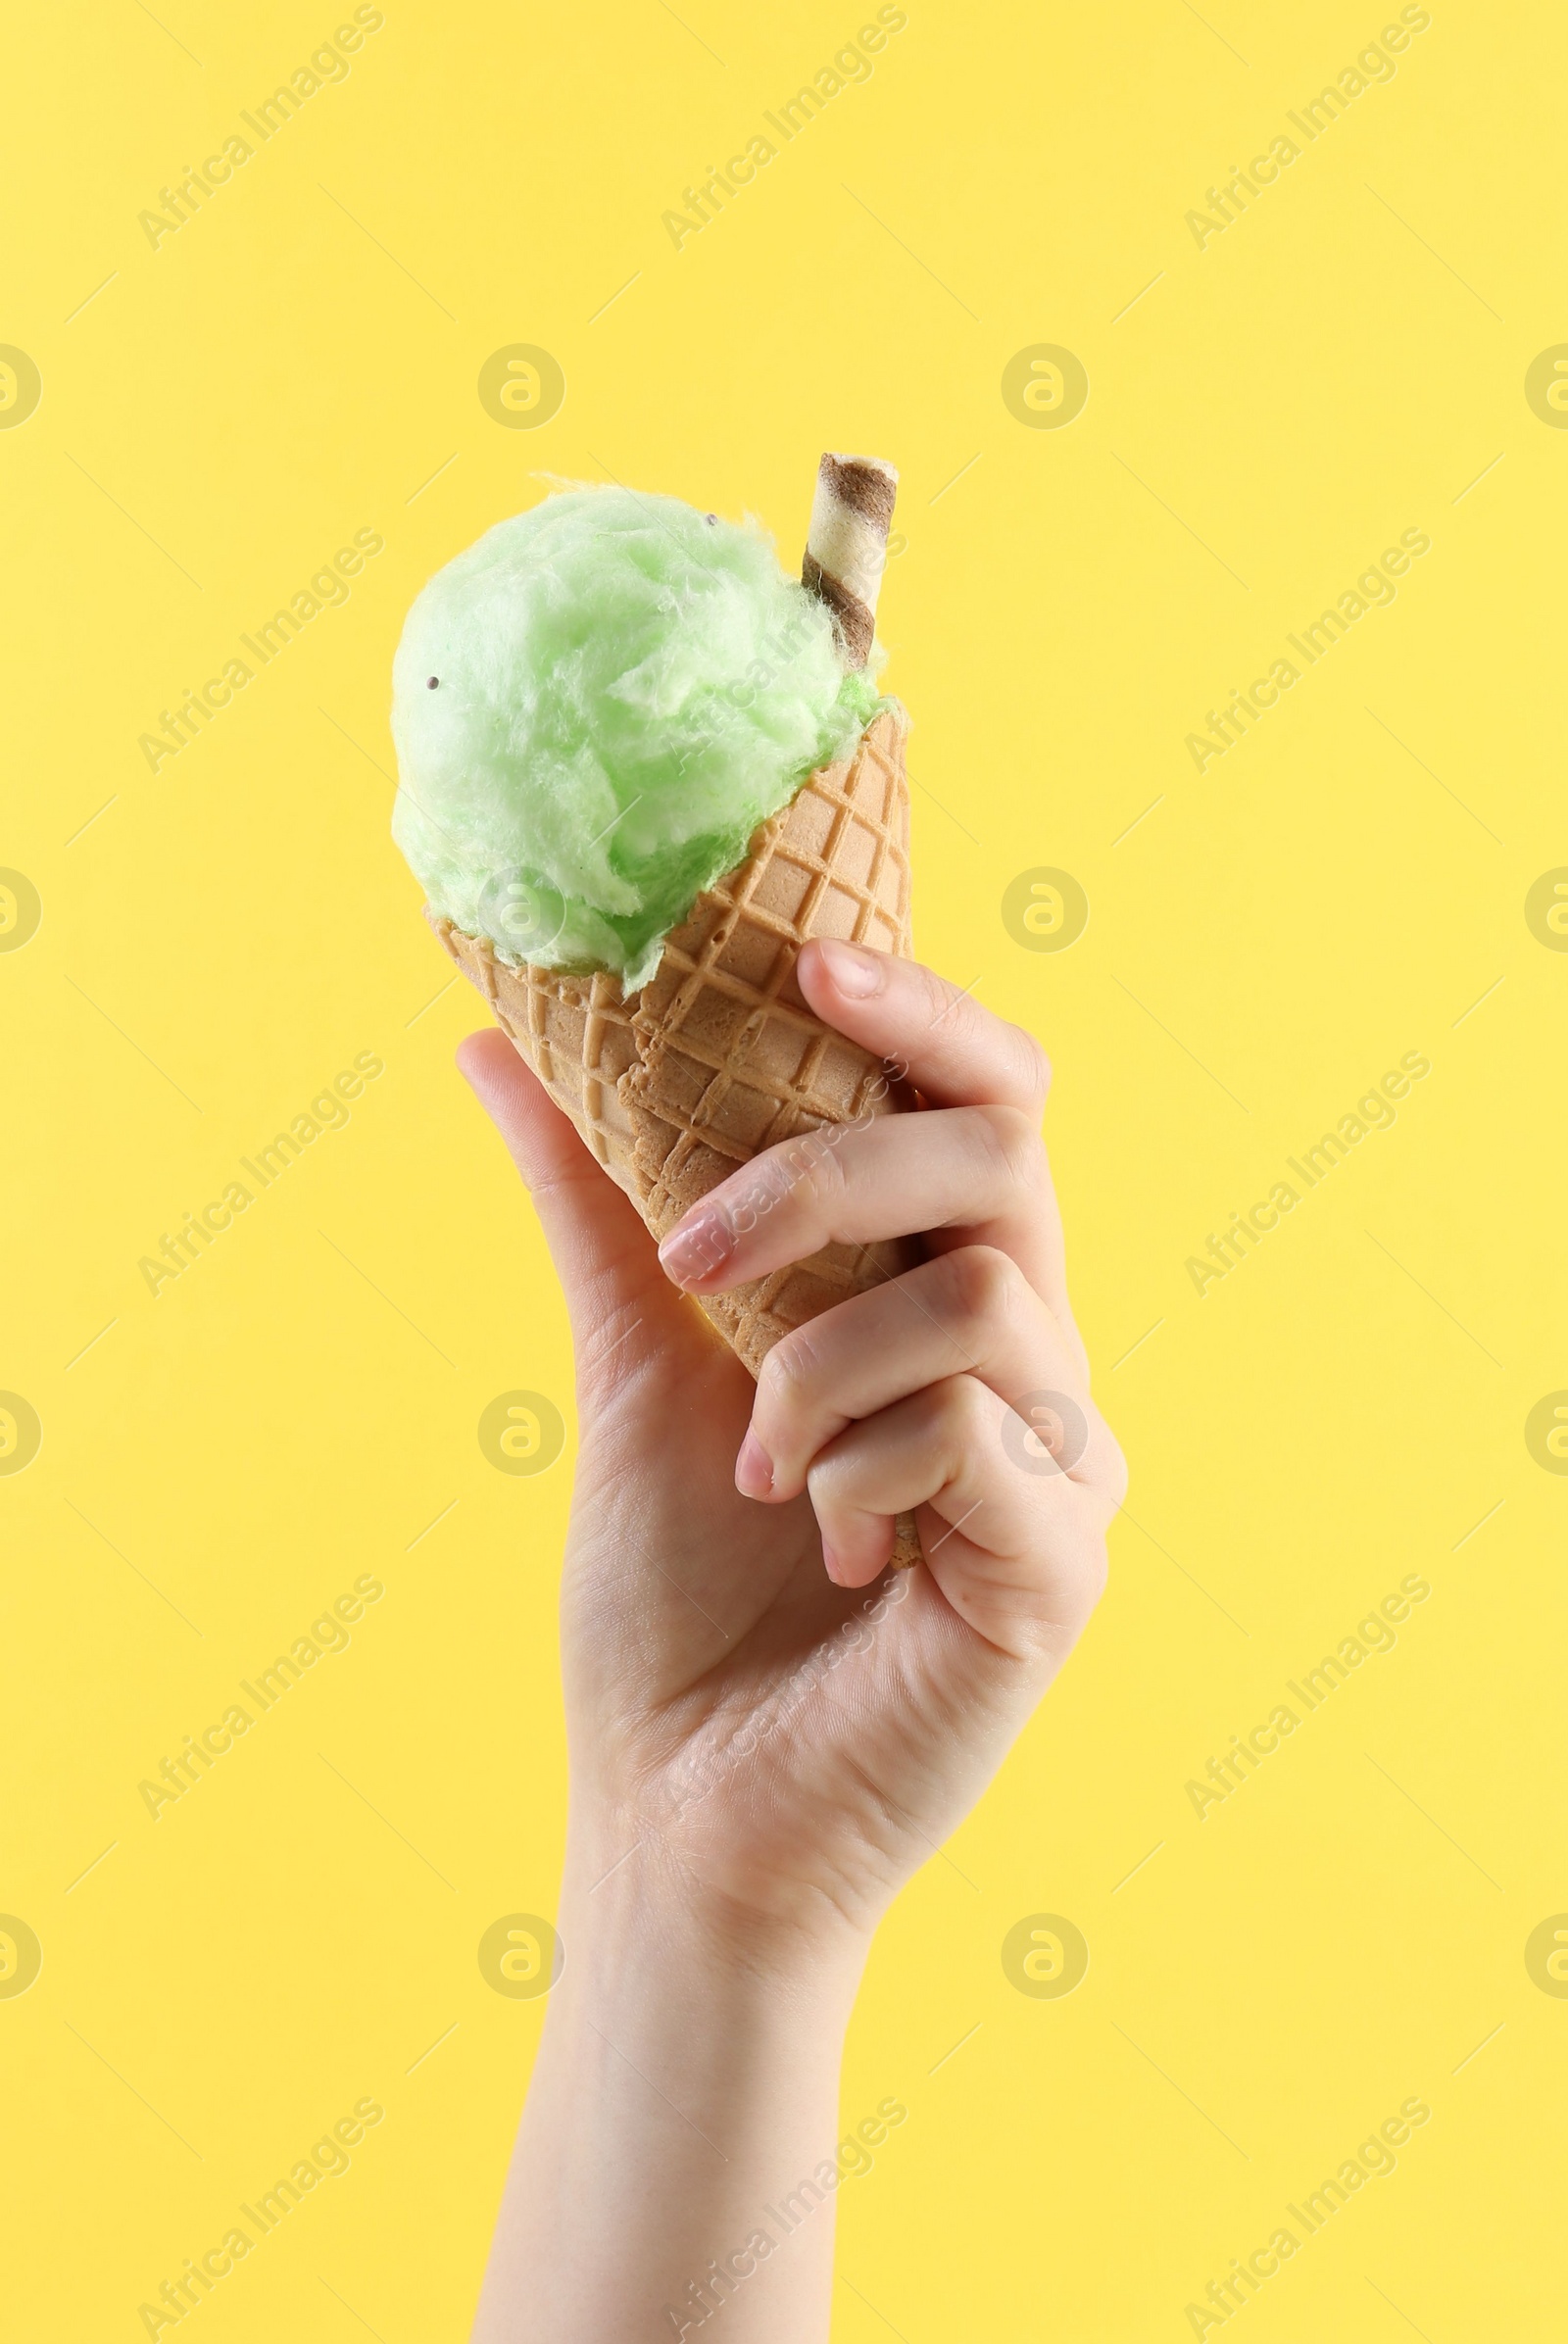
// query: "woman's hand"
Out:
[769,1730]
[720,1531]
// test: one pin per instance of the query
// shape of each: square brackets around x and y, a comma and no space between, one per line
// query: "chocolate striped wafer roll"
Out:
[846,545]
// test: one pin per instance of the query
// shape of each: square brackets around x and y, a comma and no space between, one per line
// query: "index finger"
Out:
[957,1052]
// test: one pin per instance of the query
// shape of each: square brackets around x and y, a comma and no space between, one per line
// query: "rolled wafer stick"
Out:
[846,554]
[846,545]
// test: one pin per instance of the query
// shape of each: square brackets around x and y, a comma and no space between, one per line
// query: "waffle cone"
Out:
[717,1056]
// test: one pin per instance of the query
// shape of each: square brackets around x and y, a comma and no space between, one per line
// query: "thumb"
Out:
[604,1256]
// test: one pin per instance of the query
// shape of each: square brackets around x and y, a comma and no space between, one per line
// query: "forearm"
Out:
[686,2085]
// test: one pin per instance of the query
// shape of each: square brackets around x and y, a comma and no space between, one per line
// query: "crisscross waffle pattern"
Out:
[718,1056]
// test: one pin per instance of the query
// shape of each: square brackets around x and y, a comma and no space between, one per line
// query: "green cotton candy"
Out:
[594,708]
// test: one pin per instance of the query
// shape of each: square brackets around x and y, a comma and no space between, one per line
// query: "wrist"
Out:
[633,1905]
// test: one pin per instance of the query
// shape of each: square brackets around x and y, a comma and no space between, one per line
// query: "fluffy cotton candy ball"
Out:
[594,708]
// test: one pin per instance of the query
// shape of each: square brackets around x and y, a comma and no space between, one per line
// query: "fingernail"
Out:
[830,1565]
[754,1469]
[696,1248]
[854,970]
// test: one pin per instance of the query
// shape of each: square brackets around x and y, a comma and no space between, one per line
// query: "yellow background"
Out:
[220,1462]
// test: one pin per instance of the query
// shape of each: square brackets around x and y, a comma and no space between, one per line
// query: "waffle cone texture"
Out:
[717,1056]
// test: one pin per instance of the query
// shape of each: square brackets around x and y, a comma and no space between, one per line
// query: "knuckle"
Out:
[934,992]
[812,1163]
[795,1171]
[1034,1067]
[1116,1475]
[1013,1138]
[789,1372]
[828,1168]
[981,1283]
[967,1410]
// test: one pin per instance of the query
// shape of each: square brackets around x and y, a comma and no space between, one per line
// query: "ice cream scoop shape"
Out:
[594,708]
